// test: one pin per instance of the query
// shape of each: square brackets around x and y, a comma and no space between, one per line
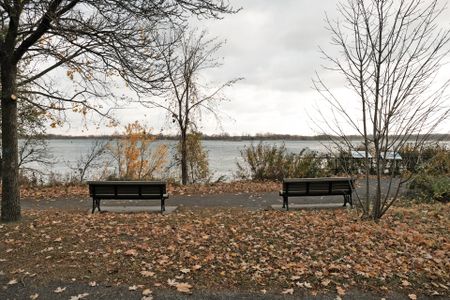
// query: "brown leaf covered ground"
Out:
[235,249]
[82,190]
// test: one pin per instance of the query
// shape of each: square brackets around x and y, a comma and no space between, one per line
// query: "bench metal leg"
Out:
[163,205]
[285,203]
[348,199]
[95,204]
[98,205]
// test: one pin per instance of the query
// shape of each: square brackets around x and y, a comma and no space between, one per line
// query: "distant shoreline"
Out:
[226,137]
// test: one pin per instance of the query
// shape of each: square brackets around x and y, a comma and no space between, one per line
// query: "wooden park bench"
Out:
[327,186]
[127,190]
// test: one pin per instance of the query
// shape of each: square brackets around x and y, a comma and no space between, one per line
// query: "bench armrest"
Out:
[165,196]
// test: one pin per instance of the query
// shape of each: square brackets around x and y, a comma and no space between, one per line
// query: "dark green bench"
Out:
[127,190]
[326,186]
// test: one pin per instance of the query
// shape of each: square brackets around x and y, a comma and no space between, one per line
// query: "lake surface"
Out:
[222,155]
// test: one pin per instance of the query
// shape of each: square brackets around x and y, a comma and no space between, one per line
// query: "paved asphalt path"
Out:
[103,292]
[251,201]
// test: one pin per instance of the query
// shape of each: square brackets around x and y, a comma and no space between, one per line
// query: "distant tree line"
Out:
[228,137]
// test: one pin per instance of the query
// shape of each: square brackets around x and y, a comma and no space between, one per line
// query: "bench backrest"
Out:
[318,186]
[126,188]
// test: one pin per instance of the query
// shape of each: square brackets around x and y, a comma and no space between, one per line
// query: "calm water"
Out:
[222,155]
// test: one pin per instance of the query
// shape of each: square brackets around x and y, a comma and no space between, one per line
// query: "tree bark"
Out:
[10,171]
[184,168]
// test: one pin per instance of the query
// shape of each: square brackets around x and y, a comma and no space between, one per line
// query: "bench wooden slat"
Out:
[152,190]
[128,190]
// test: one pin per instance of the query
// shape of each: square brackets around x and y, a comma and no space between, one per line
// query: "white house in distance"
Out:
[392,159]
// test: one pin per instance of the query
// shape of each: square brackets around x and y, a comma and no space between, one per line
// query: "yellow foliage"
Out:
[134,155]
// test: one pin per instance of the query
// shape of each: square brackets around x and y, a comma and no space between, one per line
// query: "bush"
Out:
[271,162]
[428,188]
[415,159]
[134,157]
[197,158]
[432,181]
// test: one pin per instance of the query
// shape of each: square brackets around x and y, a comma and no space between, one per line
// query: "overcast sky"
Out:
[273,45]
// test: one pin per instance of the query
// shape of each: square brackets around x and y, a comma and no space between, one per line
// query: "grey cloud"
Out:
[273,43]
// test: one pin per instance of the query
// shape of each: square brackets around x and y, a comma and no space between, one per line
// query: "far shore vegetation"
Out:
[228,137]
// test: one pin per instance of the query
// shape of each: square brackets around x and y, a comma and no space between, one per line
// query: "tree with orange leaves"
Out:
[135,157]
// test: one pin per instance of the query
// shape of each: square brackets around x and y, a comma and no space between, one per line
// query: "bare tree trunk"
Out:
[368,166]
[367,161]
[377,202]
[10,151]
[184,168]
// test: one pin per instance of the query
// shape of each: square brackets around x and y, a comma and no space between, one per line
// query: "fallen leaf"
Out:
[325,282]
[288,291]
[340,291]
[405,283]
[12,282]
[59,290]
[184,287]
[132,288]
[147,292]
[443,286]
[304,284]
[196,267]
[185,271]
[172,282]
[92,283]
[79,296]
[34,296]
[131,252]
[147,273]
[412,296]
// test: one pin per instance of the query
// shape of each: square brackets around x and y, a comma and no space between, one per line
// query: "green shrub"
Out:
[432,178]
[429,188]
[415,159]
[271,162]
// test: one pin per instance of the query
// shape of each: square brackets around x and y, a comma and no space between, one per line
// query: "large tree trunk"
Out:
[10,154]
[184,168]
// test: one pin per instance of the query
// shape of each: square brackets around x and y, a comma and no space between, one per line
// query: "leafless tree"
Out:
[186,55]
[90,159]
[93,42]
[390,54]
